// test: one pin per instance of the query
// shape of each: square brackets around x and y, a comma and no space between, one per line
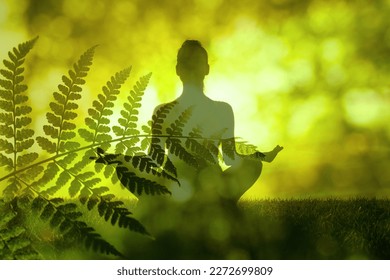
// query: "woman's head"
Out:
[192,62]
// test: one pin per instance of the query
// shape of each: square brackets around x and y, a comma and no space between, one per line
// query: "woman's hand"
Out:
[270,156]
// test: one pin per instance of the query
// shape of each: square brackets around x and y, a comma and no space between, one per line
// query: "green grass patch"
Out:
[264,229]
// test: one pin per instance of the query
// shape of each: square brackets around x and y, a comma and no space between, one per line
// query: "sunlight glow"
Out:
[3,12]
[305,116]
[364,107]
[308,76]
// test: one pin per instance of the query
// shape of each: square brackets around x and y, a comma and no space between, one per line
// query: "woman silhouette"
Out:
[214,120]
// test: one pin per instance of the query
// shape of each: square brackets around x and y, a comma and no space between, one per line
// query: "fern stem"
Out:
[61,126]
[14,167]
[72,174]
[14,121]
[27,185]
[96,145]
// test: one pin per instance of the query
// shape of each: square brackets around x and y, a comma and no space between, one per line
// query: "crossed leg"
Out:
[230,184]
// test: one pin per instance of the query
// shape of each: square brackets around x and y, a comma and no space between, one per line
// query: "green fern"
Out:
[15,136]
[117,214]
[203,149]
[33,181]
[60,127]
[127,130]
[60,135]
[128,121]
[125,170]
[243,148]
[65,218]
[139,185]
[174,143]
[156,149]
[67,166]
[98,120]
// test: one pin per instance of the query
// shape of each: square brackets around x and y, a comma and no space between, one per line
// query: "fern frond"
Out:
[49,174]
[32,174]
[144,163]
[129,119]
[69,164]
[159,117]
[94,241]
[176,128]
[81,180]
[14,120]
[207,150]
[128,146]
[114,212]
[247,149]
[229,147]
[176,148]
[60,120]
[147,165]
[154,128]
[64,217]
[243,148]
[61,181]
[147,140]
[173,141]
[99,116]
[137,185]
[5,161]
[157,153]
[147,129]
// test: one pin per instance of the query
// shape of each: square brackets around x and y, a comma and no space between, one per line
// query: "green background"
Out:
[311,76]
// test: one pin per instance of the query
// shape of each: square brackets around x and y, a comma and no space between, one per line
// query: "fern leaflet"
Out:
[137,185]
[15,136]
[114,212]
[205,150]
[60,137]
[60,127]
[127,165]
[129,119]
[233,148]
[156,149]
[99,116]
[65,218]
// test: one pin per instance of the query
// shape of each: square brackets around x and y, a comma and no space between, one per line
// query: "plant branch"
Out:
[95,145]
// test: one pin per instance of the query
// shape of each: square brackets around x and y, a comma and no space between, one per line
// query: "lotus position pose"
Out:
[212,124]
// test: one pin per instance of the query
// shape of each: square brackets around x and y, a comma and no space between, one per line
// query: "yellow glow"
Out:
[332,50]
[364,107]
[3,12]
[301,72]
[305,116]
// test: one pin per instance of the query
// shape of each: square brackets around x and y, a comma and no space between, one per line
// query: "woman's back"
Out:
[207,122]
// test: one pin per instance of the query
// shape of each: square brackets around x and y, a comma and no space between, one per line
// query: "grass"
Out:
[265,229]
[323,229]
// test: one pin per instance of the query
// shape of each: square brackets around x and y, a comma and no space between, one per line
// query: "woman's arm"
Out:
[230,154]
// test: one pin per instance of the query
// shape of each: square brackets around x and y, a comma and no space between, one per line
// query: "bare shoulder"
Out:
[164,108]
[222,108]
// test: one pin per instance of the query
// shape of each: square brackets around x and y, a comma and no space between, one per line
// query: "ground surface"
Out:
[266,229]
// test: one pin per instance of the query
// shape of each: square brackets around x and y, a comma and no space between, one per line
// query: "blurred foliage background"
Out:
[310,75]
